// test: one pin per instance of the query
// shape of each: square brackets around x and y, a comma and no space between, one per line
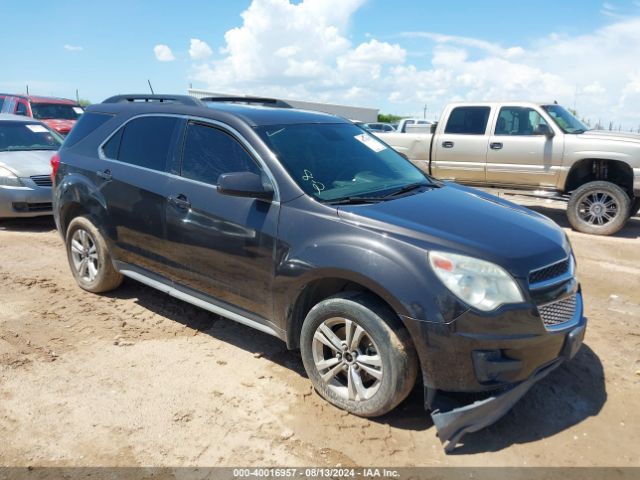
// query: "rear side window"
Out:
[210,152]
[84,126]
[146,142]
[468,120]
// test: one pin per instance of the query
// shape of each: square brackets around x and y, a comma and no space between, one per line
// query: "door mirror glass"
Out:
[244,184]
[543,129]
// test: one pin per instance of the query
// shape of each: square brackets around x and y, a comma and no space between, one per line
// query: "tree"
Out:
[389,118]
[84,102]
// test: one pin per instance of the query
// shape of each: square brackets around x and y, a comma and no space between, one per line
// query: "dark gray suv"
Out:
[306,227]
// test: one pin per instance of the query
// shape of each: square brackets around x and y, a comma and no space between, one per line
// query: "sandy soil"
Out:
[138,378]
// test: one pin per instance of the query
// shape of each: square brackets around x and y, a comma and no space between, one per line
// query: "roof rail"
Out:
[142,98]
[266,102]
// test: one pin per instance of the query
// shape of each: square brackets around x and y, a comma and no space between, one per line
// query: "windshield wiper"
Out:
[14,148]
[356,200]
[408,188]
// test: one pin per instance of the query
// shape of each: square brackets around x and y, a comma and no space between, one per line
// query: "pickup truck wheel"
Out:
[357,354]
[635,207]
[599,208]
[89,257]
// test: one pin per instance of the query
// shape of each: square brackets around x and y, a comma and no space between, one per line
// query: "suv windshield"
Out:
[336,161]
[58,111]
[27,136]
[565,120]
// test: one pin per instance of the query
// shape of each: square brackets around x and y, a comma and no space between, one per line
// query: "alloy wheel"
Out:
[598,208]
[84,255]
[347,359]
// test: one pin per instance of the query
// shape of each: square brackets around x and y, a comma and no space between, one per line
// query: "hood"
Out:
[61,126]
[610,135]
[27,163]
[469,222]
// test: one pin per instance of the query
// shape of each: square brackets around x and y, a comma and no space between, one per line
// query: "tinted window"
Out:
[112,147]
[468,120]
[83,127]
[1,103]
[146,142]
[210,152]
[518,121]
[15,136]
[60,111]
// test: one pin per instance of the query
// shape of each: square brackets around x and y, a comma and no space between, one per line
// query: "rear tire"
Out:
[89,257]
[598,208]
[357,354]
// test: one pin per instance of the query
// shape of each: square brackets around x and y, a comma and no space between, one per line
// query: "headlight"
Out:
[481,284]
[8,178]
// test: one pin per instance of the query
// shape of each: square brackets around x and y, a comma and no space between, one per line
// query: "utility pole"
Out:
[27,89]
[424,113]
[77,96]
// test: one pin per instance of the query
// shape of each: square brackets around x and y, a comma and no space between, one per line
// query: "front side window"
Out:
[468,120]
[21,109]
[519,121]
[15,136]
[209,152]
[145,142]
[565,120]
[338,160]
[58,111]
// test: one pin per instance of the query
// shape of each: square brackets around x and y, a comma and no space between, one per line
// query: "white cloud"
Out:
[163,53]
[199,50]
[304,50]
[72,48]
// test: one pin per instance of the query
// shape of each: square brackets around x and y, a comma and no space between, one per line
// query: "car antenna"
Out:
[555,102]
[150,87]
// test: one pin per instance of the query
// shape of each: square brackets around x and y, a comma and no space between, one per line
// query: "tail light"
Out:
[55,163]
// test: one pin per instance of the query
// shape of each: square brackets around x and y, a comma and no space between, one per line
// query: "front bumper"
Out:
[25,201]
[452,425]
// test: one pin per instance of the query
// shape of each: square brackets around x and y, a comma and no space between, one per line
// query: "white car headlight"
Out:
[8,178]
[478,283]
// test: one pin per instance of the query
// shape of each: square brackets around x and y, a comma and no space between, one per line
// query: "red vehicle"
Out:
[58,113]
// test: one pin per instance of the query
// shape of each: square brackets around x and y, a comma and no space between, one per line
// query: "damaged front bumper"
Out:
[453,424]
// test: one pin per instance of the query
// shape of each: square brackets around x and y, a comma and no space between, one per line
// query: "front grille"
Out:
[550,272]
[42,180]
[557,313]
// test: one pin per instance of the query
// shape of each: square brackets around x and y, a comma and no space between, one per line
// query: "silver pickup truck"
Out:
[537,149]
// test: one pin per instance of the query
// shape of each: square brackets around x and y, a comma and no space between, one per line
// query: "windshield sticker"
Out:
[78,110]
[37,128]
[308,177]
[370,142]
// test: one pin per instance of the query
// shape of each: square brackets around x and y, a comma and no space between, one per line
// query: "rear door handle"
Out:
[447,144]
[179,201]
[104,174]
[495,145]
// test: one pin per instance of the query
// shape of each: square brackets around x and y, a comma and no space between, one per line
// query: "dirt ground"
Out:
[138,378]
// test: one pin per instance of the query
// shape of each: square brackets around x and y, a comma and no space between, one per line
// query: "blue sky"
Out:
[394,55]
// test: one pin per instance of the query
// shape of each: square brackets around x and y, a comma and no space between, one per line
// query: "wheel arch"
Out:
[588,170]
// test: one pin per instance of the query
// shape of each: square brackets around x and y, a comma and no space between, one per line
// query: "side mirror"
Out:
[244,184]
[544,129]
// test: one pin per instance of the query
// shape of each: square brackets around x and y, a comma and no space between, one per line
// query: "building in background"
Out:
[361,114]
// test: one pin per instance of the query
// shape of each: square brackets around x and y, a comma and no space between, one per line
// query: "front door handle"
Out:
[495,145]
[179,201]
[447,144]
[104,174]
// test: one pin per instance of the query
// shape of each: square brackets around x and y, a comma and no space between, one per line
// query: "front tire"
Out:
[358,355]
[89,257]
[598,208]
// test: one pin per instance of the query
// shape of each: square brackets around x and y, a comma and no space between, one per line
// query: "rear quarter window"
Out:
[468,120]
[84,126]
